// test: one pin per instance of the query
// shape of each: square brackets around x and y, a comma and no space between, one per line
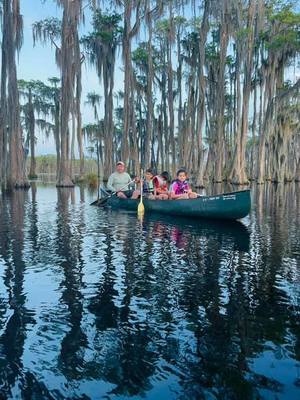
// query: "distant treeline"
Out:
[47,165]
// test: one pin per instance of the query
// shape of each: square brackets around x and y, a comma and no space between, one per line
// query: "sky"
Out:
[38,62]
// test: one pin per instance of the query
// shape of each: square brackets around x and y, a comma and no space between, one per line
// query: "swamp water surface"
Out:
[95,304]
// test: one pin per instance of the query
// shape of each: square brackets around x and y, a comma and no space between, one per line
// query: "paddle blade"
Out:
[141,209]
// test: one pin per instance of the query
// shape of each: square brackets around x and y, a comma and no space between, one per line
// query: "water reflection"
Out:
[16,317]
[69,248]
[182,229]
[94,304]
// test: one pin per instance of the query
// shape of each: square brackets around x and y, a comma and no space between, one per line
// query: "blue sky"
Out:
[38,62]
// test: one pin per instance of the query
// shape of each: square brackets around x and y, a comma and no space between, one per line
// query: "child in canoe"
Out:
[161,186]
[148,184]
[180,188]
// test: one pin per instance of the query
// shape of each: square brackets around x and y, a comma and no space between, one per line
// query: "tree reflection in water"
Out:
[172,308]
[69,246]
[17,317]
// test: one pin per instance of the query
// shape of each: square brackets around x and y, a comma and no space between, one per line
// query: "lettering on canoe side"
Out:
[211,198]
[229,197]
[226,197]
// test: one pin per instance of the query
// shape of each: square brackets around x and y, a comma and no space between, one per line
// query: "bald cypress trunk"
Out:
[31,128]
[170,91]
[254,123]
[201,101]
[57,133]
[3,107]
[149,95]
[129,140]
[279,136]
[220,106]
[127,80]
[179,88]
[16,175]
[238,173]
[67,84]
[110,129]
[297,175]
[70,65]
[266,124]
[108,81]
[78,115]
[73,136]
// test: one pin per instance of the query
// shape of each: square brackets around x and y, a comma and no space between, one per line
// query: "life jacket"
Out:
[148,186]
[180,187]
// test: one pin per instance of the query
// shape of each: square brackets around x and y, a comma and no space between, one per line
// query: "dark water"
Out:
[96,305]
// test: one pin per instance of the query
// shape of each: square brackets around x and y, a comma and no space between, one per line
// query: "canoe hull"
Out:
[230,206]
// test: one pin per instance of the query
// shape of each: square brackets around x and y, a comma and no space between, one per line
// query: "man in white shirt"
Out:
[118,182]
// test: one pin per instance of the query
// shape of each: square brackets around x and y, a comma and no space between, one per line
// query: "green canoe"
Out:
[234,205]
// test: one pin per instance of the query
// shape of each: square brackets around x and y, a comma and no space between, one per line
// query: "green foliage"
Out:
[94,132]
[101,44]
[191,42]
[282,40]
[230,61]
[286,16]
[46,30]
[163,26]
[105,36]
[32,177]
[91,180]
[195,23]
[140,58]
[243,33]
[119,113]
[180,20]
[252,142]
[106,26]
[284,32]
[211,52]
[140,55]
[46,164]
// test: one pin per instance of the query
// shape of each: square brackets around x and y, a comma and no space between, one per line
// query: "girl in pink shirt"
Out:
[180,188]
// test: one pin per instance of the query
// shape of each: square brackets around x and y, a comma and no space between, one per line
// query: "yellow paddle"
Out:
[141,208]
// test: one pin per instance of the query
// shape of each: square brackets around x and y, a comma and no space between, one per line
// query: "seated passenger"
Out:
[161,186]
[148,185]
[119,182]
[180,188]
